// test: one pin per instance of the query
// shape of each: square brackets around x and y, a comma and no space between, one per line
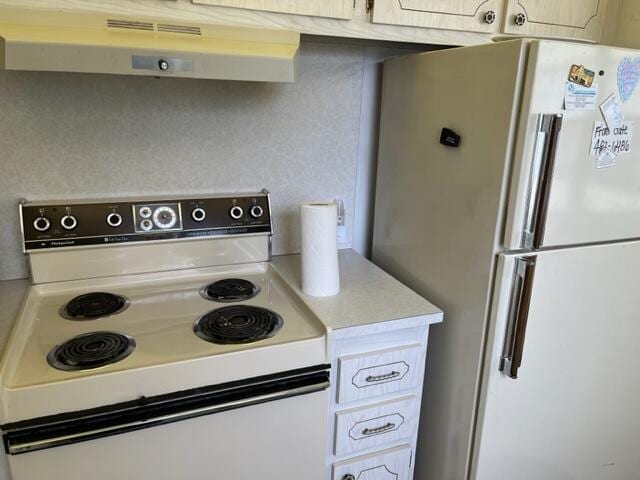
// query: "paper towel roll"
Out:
[320,272]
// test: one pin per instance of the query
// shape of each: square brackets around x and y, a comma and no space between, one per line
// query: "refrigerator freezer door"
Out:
[556,177]
[572,411]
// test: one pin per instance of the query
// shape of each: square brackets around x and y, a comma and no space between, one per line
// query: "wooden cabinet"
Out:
[342,9]
[471,15]
[582,19]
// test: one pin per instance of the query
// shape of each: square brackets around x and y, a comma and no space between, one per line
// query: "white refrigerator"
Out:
[508,193]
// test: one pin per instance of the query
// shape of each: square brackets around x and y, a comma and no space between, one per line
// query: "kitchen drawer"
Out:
[372,374]
[375,425]
[393,464]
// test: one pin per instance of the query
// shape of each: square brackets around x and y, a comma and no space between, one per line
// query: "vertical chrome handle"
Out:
[542,168]
[513,348]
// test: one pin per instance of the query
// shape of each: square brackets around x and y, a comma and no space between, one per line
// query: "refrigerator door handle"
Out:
[542,168]
[513,349]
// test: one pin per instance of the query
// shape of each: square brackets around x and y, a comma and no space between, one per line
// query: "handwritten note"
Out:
[617,140]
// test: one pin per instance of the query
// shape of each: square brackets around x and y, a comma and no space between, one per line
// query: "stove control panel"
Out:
[48,225]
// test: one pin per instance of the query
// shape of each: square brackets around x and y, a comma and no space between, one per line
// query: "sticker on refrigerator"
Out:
[617,140]
[577,97]
[612,112]
[606,160]
[581,75]
[628,77]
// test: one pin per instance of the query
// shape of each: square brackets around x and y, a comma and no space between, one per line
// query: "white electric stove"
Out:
[156,339]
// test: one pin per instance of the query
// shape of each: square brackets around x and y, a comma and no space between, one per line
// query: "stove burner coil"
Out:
[91,350]
[230,290]
[238,324]
[94,305]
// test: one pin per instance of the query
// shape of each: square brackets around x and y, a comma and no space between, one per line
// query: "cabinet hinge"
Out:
[369,5]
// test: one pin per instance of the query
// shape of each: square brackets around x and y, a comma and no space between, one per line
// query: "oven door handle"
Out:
[19,447]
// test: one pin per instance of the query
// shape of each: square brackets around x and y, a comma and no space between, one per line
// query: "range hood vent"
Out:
[150,27]
[163,27]
[130,24]
[93,43]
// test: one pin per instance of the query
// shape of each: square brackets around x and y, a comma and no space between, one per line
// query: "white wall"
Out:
[86,136]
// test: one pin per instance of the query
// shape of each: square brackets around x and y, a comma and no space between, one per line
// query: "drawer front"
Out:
[375,425]
[391,464]
[379,373]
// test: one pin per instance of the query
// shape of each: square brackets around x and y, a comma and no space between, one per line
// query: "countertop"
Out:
[367,294]
[11,295]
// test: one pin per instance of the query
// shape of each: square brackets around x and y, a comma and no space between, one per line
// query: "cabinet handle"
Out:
[378,430]
[380,378]
[490,17]
[520,19]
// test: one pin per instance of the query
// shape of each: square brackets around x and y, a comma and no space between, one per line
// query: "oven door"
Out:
[268,428]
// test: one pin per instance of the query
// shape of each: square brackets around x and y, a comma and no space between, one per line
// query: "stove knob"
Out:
[41,224]
[236,212]
[114,220]
[69,222]
[257,211]
[146,224]
[198,214]
[145,212]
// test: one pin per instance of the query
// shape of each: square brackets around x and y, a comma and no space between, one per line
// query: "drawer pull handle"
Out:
[378,430]
[380,378]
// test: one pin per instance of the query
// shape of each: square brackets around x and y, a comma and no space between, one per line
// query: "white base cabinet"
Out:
[390,464]
[376,391]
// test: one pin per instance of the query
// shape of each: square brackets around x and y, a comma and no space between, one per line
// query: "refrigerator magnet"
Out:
[581,75]
[578,97]
[612,112]
[606,159]
[628,77]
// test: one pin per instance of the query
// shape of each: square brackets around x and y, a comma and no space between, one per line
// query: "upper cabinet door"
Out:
[342,9]
[470,15]
[583,19]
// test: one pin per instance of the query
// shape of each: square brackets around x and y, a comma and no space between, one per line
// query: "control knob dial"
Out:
[69,222]
[236,212]
[42,224]
[114,220]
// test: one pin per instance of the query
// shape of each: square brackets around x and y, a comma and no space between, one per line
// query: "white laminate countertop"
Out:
[367,294]
[11,294]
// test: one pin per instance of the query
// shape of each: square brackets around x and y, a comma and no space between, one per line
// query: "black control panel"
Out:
[58,225]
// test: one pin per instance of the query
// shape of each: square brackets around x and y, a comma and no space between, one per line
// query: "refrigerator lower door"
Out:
[560,396]
[566,189]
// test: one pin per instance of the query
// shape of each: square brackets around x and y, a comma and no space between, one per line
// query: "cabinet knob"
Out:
[348,476]
[520,19]
[490,17]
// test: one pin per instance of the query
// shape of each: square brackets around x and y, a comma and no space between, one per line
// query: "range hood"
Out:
[40,40]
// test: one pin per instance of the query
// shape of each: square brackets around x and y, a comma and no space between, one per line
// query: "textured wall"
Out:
[83,136]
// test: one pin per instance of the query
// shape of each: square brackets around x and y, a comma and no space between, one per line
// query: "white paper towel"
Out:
[320,272]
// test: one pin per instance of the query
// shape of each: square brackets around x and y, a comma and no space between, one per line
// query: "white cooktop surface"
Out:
[168,355]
